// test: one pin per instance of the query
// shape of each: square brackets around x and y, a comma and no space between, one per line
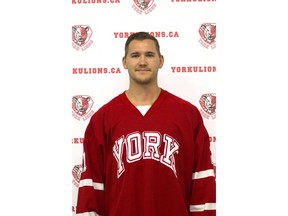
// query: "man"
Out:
[146,152]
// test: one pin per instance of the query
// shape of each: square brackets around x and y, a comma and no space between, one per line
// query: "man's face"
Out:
[142,62]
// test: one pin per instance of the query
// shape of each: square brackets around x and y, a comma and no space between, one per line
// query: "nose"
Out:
[142,60]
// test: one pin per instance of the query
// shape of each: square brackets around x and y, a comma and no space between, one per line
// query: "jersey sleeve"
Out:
[203,190]
[90,199]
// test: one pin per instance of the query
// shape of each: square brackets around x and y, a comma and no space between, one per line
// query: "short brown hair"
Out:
[141,36]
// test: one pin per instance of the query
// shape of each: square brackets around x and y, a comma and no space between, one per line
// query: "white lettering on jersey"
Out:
[146,146]
[133,147]
[151,145]
[171,147]
[117,152]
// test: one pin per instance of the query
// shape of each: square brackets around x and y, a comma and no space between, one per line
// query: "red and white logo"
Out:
[208,105]
[76,173]
[207,33]
[146,6]
[81,37]
[82,107]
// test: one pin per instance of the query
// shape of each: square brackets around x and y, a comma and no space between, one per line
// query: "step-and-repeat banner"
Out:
[186,30]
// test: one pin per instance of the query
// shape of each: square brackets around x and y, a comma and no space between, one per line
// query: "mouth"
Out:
[142,70]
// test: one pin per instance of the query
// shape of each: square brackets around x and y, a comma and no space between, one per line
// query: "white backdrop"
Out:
[189,71]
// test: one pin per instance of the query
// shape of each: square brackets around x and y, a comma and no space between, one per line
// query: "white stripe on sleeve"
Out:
[203,174]
[88,214]
[200,208]
[89,182]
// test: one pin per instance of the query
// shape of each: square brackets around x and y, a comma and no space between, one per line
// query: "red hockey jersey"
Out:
[158,164]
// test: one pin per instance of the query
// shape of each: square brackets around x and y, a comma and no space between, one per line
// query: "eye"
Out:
[135,55]
[150,54]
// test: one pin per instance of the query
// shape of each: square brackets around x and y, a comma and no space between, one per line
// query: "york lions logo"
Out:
[145,6]
[81,36]
[142,4]
[208,105]
[207,32]
[81,106]
[76,172]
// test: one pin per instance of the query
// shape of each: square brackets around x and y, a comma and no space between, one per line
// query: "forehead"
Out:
[142,45]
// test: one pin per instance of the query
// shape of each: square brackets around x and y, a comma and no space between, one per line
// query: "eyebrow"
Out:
[148,52]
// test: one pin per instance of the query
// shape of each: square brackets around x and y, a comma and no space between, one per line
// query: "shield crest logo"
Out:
[208,103]
[143,4]
[81,35]
[81,105]
[207,32]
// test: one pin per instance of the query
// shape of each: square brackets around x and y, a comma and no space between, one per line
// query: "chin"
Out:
[143,81]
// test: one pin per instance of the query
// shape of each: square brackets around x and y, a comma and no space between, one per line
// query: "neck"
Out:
[143,96]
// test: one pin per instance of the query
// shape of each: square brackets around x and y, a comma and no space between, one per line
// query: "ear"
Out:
[124,62]
[161,61]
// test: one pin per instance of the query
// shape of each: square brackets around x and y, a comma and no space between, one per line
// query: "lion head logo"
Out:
[81,34]
[207,32]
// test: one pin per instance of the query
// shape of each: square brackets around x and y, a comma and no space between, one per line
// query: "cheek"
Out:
[129,64]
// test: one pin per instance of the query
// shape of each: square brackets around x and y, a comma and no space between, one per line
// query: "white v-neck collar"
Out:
[143,109]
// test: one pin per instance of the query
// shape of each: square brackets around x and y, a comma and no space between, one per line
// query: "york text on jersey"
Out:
[145,146]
